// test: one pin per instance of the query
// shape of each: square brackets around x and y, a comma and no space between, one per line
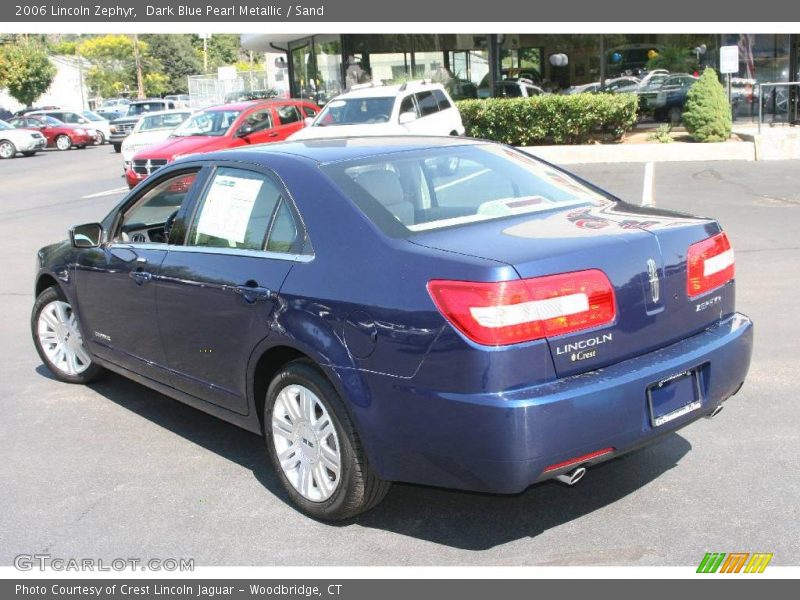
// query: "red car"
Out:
[225,126]
[58,134]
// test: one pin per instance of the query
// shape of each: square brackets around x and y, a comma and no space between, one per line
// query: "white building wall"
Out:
[68,88]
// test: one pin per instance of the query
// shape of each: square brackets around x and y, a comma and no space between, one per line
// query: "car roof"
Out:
[171,111]
[387,91]
[245,104]
[339,149]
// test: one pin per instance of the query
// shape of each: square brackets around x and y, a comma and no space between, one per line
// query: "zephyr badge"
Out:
[652,277]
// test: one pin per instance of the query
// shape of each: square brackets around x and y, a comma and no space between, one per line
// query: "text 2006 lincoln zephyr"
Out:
[432,310]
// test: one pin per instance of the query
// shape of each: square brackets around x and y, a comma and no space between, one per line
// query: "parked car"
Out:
[418,108]
[417,309]
[666,102]
[114,108]
[616,85]
[58,134]
[101,124]
[13,140]
[30,109]
[243,96]
[180,100]
[151,129]
[219,127]
[122,127]
[76,118]
[516,88]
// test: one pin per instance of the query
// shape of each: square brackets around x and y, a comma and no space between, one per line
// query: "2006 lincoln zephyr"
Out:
[432,310]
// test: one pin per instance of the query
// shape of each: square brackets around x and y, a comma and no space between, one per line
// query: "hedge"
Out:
[550,119]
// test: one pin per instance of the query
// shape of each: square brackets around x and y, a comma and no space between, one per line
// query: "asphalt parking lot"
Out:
[116,470]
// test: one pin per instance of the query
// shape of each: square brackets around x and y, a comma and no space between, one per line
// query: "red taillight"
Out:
[709,264]
[509,312]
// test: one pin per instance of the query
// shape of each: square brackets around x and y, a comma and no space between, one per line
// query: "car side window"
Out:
[309,112]
[408,105]
[510,91]
[283,233]
[150,218]
[288,113]
[427,104]
[260,120]
[441,100]
[236,210]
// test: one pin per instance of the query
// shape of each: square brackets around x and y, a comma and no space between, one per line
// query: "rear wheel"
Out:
[7,149]
[63,142]
[314,447]
[58,339]
[99,138]
[675,115]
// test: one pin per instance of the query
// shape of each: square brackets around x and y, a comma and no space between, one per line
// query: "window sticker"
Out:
[228,206]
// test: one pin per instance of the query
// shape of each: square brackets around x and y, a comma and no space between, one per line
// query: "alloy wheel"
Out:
[306,443]
[7,150]
[63,142]
[61,340]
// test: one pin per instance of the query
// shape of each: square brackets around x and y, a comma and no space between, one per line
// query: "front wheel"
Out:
[63,142]
[58,339]
[117,148]
[314,447]
[99,138]
[7,149]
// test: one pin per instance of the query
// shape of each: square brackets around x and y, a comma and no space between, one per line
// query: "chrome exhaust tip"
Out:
[716,411]
[572,477]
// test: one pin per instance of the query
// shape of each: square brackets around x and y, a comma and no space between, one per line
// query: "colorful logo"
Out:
[734,562]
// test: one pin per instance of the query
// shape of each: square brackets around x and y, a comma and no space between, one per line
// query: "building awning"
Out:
[264,42]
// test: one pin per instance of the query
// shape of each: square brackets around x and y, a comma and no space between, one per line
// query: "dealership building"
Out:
[319,67]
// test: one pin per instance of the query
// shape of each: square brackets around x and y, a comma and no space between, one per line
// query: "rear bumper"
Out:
[503,443]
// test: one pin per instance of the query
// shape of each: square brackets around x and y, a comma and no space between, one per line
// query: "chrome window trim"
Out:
[266,254]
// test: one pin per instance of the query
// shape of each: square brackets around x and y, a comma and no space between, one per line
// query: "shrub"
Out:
[707,114]
[549,119]
[662,135]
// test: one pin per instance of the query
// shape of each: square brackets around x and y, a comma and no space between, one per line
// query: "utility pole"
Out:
[138,59]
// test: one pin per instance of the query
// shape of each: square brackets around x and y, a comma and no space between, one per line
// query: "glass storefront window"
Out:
[328,62]
[303,83]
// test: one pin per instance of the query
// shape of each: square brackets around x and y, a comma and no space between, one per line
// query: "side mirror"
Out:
[244,130]
[83,121]
[308,121]
[88,235]
[407,117]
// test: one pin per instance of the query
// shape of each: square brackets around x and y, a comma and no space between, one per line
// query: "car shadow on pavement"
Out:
[463,520]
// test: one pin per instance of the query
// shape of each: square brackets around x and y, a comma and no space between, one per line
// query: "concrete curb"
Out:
[642,153]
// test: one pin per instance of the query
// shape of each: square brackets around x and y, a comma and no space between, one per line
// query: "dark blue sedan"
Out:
[432,310]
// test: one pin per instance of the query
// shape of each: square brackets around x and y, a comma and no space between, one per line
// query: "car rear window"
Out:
[446,187]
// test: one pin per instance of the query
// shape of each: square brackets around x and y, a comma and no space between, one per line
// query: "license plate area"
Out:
[674,397]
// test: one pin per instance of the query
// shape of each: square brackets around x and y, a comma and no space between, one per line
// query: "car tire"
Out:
[296,437]
[7,149]
[54,327]
[63,142]
[117,148]
[29,153]
[99,139]
[675,115]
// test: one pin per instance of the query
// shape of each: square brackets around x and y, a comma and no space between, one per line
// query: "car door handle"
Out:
[272,134]
[254,293]
[141,277]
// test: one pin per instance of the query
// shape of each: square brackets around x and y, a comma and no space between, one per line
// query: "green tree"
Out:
[174,56]
[113,69]
[26,71]
[676,59]
[707,114]
[223,49]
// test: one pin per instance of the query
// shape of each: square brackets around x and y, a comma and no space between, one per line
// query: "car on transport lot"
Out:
[220,127]
[419,309]
[414,107]
[122,126]
[152,128]
[13,140]
[56,133]
[95,126]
